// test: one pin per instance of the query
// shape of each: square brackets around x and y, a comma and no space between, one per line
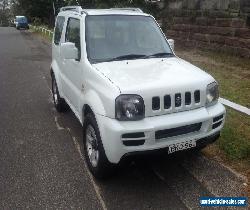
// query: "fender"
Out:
[92,99]
[55,69]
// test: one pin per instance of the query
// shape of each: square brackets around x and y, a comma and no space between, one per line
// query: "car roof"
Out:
[112,11]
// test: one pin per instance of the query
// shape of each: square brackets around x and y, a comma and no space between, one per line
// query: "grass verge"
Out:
[233,147]
[233,75]
[231,72]
[47,36]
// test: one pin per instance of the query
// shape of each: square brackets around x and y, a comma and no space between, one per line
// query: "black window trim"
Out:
[69,18]
[64,19]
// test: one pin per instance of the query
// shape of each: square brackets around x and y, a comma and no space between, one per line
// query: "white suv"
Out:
[118,73]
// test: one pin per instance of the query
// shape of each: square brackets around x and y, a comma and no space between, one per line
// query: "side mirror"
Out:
[69,50]
[171,43]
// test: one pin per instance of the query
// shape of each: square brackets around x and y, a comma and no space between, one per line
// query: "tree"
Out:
[43,9]
[4,12]
[4,4]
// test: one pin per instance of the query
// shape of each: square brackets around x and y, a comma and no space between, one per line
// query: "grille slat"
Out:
[216,125]
[167,101]
[197,96]
[217,118]
[133,135]
[156,103]
[134,143]
[187,98]
[178,100]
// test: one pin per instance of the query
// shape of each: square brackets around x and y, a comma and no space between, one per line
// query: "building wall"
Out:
[213,24]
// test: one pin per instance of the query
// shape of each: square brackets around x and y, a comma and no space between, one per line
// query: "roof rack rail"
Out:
[72,8]
[129,8]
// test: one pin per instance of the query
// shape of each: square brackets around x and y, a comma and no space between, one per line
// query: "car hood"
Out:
[134,76]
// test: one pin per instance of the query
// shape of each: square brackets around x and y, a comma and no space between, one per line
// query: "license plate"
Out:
[181,146]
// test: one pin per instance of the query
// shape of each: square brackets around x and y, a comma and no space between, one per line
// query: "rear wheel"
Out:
[59,102]
[94,153]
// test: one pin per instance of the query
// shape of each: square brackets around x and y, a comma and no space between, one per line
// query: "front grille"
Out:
[177,131]
[177,100]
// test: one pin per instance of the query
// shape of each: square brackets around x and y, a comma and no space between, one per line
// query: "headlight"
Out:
[212,93]
[129,107]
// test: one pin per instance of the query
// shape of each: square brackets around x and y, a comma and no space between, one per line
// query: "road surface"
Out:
[41,161]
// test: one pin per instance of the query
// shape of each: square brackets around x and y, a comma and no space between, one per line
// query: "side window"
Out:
[58,29]
[73,34]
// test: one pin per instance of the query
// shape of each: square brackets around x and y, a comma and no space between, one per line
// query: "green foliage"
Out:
[4,12]
[103,4]
[37,21]
[146,7]
[43,9]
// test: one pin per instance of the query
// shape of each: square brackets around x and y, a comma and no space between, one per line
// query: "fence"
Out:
[43,30]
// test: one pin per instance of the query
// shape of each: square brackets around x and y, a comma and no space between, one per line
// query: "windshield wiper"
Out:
[136,56]
[160,55]
[127,57]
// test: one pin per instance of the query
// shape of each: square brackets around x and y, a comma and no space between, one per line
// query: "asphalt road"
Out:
[41,161]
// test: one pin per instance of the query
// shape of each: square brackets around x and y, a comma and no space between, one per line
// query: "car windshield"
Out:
[124,37]
[21,19]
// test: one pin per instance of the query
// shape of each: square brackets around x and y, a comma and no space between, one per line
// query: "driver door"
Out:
[72,68]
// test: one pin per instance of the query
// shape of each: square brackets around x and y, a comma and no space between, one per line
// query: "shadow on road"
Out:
[155,181]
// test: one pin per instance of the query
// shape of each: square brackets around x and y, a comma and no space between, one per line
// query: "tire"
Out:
[59,102]
[98,165]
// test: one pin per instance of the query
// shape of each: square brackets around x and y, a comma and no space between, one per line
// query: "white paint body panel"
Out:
[81,83]
[157,77]
[111,130]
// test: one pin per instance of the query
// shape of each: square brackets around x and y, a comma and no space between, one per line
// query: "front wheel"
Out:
[94,153]
[59,102]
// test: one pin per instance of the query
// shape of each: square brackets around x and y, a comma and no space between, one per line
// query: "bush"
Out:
[36,21]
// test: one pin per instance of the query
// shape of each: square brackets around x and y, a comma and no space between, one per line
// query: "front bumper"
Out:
[22,25]
[112,131]
[200,143]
